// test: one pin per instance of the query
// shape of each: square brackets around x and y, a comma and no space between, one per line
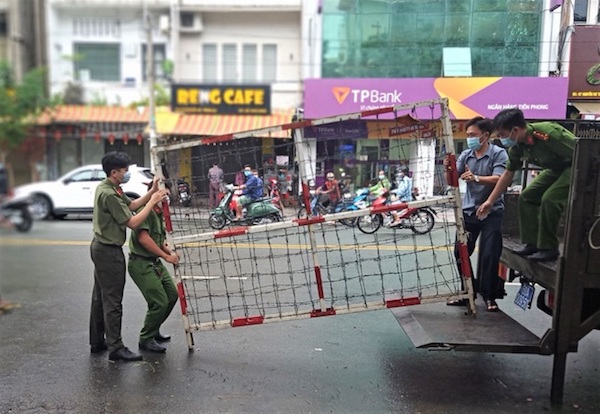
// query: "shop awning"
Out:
[74,114]
[212,125]
[166,121]
[588,107]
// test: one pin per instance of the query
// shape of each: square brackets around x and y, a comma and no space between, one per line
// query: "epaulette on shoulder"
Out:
[541,135]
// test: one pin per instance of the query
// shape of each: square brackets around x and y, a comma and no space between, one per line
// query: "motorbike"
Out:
[419,220]
[345,204]
[183,189]
[16,213]
[260,211]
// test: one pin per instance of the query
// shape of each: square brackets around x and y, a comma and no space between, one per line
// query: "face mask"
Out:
[473,143]
[507,141]
[247,173]
[381,177]
[126,178]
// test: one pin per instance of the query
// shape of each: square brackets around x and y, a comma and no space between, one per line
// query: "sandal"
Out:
[491,305]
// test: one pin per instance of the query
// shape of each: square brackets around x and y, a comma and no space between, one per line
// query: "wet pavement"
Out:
[353,363]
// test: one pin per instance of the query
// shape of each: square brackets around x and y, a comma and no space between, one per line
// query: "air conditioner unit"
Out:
[163,23]
[190,22]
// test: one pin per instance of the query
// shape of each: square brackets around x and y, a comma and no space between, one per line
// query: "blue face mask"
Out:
[247,173]
[507,142]
[381,177]
[126,177]
[473,143]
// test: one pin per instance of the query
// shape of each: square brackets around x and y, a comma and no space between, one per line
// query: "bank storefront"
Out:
[364,147]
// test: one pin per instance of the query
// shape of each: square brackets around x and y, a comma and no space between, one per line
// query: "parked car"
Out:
[74,191]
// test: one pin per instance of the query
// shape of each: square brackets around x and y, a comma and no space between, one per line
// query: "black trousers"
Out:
[107,296]
[489,232]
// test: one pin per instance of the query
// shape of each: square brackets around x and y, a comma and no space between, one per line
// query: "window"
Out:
[159,60]
[209,62]
[86,175]
[229,62]
[96,27]
[186,19]
[580,11]
[360,42]
[269,63]
[97,61]
[249,62]
[3,25]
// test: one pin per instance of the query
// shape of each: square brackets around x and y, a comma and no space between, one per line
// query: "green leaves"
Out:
[20,104]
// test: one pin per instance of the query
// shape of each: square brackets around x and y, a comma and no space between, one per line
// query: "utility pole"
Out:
[150,79]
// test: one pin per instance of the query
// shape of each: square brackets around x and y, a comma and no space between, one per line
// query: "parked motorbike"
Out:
[419,220]
[15,211]
[258,212]
[183,189]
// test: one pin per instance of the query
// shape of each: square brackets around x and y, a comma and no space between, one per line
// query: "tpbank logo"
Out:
[340,93]
[369,96]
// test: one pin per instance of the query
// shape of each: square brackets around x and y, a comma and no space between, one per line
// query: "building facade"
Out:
[483,56]
[100,48]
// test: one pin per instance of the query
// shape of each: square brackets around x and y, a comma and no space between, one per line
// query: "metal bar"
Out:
[263,228]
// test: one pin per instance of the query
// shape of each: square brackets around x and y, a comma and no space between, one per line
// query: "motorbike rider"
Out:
[403,191]
[331,190]
[252,190]
[382,185]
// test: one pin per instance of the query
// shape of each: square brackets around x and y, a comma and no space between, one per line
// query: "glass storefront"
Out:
[406,39]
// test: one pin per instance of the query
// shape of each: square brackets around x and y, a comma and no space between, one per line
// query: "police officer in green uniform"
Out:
[550,146]
[112,215]
[147,245]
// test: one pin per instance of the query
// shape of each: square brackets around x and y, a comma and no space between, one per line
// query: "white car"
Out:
[74,191]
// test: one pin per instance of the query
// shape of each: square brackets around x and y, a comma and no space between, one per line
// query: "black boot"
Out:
[526,250]
[544,255]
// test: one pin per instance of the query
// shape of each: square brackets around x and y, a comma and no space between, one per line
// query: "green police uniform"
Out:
[152,277]
[549,146]
[111,213]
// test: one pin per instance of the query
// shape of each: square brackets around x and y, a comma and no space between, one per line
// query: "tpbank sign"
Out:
[221,99]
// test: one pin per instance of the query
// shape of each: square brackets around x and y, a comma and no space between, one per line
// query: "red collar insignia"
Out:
[541,136]
[119,191]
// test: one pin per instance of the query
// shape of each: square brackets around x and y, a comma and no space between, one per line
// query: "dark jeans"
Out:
[486,281]
[107,296]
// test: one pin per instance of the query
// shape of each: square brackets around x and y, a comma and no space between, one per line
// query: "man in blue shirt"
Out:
[481,166]
[252,190]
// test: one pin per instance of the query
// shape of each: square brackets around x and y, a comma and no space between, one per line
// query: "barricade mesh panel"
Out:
[342,257]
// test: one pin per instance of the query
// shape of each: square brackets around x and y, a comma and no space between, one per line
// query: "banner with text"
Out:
[221,99]
[538,98]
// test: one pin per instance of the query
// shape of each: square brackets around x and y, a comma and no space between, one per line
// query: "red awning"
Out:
[71,114]
[210,125]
